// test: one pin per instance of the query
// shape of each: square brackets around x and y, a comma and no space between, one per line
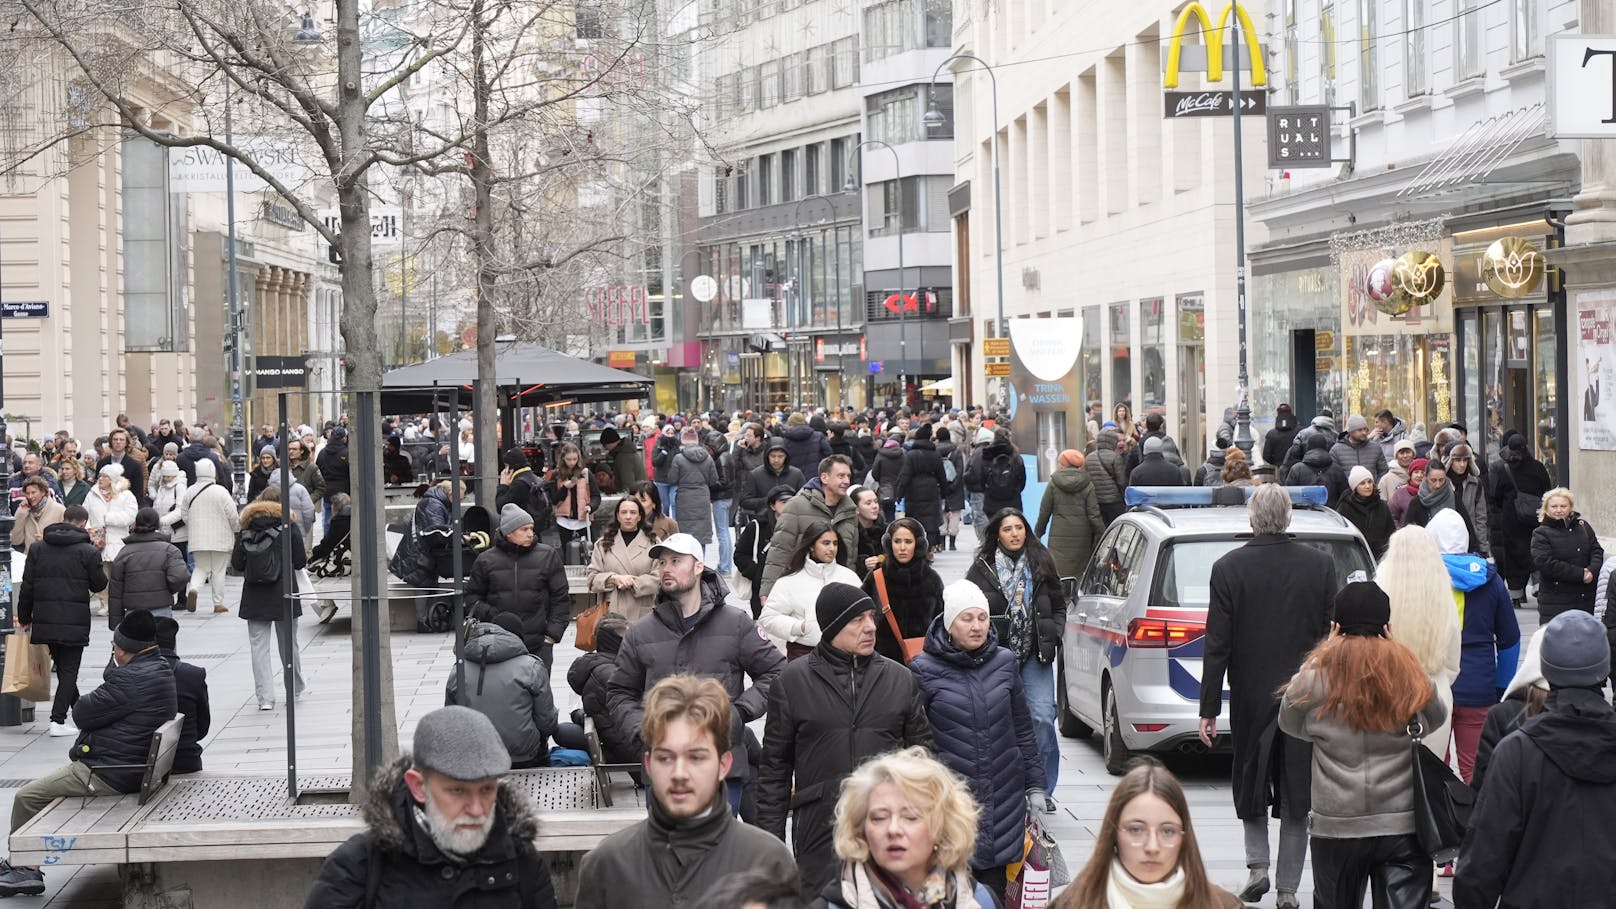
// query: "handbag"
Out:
[587,621]
[1437,823]
[911,647]
[27,674]
[1040,872]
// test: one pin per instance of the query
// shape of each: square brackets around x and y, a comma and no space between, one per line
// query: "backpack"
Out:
[950,472]
[537,502]
[1001,478]
[263,549]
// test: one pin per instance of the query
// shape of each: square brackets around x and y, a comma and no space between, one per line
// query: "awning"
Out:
[528,375]
[939,387]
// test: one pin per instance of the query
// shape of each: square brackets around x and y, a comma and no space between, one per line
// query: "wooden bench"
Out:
[604,770]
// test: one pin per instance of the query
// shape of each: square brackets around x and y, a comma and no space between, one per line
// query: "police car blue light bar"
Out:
[1186,496]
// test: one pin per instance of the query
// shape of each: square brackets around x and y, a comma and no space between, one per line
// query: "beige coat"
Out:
[632,558]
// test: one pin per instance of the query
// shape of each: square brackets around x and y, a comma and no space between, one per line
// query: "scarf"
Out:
[1435,500]
[1123,892]
[1015,579]
[866,886]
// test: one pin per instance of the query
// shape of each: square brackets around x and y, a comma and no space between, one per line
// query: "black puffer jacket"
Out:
[528,581]
[921,484]
[590,677]
[828,712]
[1317,468]
[758,483]
[995,495]
[117,719]
[887,473]
[147,574]
[1561,551]
[806,447]
[191,691]
[1278,440]
[506,873]
[954,495]
[1047,602]
[63,568]
[333,464]
[262,602]
[412,561]
[1372,518]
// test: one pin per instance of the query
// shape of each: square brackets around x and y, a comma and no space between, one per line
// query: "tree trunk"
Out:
[482,252]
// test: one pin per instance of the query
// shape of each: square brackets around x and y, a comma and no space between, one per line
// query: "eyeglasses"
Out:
[1167,834]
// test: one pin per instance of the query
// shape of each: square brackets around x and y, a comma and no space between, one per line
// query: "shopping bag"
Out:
[1040,871]
[27,672]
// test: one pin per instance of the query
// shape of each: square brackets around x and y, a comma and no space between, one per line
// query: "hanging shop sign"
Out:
[1582,86]
[1212,54]
[1512,267]
[1386,294]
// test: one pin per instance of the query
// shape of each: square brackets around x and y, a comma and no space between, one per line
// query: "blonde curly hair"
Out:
[943,798]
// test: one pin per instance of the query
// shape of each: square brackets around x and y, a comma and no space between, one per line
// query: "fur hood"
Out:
[382,816]
[255,510]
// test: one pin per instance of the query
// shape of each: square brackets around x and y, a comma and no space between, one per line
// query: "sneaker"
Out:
[326,610]
[190,599]
[1256,885]
[1286,900]
[15,881]
[266,705]
[220,608]
[57,730]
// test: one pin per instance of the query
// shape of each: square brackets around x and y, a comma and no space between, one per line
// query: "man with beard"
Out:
[442,830]
[691,630]
[691,838]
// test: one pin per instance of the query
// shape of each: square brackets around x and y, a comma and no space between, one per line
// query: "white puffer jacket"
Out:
[209,512]
[111,515]
[166,499]
[789,614]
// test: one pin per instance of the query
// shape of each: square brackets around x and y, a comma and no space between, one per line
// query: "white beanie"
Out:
[1358,475]
[960,596]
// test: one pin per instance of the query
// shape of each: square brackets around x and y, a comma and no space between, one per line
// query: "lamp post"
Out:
[933,119]
[903,336]
[1242,416]
[796,217]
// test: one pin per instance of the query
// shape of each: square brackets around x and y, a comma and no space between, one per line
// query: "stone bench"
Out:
[221,840]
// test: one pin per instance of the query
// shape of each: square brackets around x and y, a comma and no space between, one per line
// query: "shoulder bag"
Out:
[911,647]
[1441,800]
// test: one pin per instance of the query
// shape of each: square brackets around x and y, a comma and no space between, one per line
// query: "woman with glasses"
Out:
[1145,854]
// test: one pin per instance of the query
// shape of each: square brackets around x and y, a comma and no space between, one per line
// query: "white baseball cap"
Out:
[679,544]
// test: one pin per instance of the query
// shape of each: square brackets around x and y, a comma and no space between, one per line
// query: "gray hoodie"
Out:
[509,686]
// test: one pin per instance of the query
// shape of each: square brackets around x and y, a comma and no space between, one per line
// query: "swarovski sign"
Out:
[1582,86]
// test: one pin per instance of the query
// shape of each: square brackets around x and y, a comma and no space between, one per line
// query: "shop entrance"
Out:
[1304,376]
[1508,378]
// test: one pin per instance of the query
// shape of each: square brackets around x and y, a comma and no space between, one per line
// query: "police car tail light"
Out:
[1163,633]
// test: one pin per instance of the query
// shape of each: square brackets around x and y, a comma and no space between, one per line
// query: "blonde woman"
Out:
[1566,555]
[1416,581]
[905,829]
[112,510]
[71,476]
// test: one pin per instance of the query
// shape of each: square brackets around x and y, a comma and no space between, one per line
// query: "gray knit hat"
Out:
[1576,653]
[512,518]
[460,743]
[1356,422]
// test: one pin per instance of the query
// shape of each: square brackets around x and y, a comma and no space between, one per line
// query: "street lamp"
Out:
[934,118]
[897,178]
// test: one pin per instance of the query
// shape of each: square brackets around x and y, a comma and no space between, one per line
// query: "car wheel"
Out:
[1068,723]
[1116,752]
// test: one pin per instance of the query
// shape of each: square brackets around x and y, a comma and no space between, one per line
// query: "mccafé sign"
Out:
[1214,45]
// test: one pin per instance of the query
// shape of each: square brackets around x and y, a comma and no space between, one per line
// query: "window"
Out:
[153,251]
[1293,88]
[939,23]
[769,84]
[1469,55]
[587,15]
[1368,55]
[942,98]
[810,172]
[1414,80]
[1525,35]
[1327,51]
[838,165]
[816,75]
[920,205]
[1184,572]
[720,195]
[765,187]
[788,175]
[747,99]
[894,116]
[743,188]
[796,68]
[844,62]
[889,28]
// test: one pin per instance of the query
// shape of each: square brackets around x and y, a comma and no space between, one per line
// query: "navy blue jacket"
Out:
[191,692]
[805,448]
[116,720]
[1491,636]
[977,707]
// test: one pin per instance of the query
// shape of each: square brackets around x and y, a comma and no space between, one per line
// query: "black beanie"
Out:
[1362,608]
[136,632]
[146,521]
[514,458]
[509,621]
[837,605]
[167,633]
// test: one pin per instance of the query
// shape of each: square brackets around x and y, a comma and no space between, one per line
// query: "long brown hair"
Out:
[561,471]
[1148,777]
[1373,684]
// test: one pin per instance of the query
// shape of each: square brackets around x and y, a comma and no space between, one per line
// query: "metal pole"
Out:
[10,705]
[404,279]
[287,632]
[454,540]
[238,415]
[364,454]
[1242,431]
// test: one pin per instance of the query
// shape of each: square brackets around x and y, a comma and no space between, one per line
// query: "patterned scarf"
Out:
[1015,579]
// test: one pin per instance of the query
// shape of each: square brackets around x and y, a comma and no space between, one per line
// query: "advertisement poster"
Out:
[1046,392]
[1596,371]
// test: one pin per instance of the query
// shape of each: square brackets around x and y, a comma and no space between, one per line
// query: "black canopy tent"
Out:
[528,375]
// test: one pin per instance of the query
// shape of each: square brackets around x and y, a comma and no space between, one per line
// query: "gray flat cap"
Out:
[461,743]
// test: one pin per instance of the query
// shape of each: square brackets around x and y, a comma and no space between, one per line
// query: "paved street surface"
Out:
[243,739]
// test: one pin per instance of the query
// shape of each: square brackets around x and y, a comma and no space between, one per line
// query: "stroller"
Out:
[437,613]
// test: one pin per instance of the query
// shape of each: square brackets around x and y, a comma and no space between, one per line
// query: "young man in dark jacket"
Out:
[817,733]
[191,690]
[148,573]
[116,722]
[1542,821]
[691,840]
[443,829]
[521,575]
[1153,469]
[775,471]
[628,467]
[53,604]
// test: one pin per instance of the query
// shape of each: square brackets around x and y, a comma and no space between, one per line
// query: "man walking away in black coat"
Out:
[1540,834]
[1279,594]
[191,690]
[442,829]
[1153,469]
[692,841]
[149,572]
[828,712]
[53,605]
[116,723]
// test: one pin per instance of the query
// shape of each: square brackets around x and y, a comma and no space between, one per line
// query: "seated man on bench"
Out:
[116,722]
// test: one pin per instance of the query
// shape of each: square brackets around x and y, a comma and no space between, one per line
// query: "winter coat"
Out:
[1362,780]
[806,509]
[61,572]
[1210,473]
[886,474]
[258,479]
[1278,440]
[333,464]
[627,465]
[166,500]
[148,573]
[1365,454]
[1171,455]
[308,473]
[1071,513]
[693,473]
[413,561]
[977,708]
[1372,518]
[262,602]
[1396,478]
[1418,514]
[117,719]
[863,454]
[527,492]
[806,447]
[922,483]
[751,552]
[662,454]
[590,677]
[1321,426]
[995,458]
[1046,603]
[1271,602]
[134,473]
[506,873]
[209,513]
[914,596]
[1490,636]
[28,529]
[828,712]
[1388,440]
[1542,821]
[509,686]
[660,862]
[190,454]
[1154,470]
[954,494]
[527,580]
[632,558]
[302,503]
[1318,468]
[853,887]
[789,615]
[1510,534]
[719,642]
[191,695]
[754,498]
[1105,469]
[576,501]
[1468,491]
[1561,551]
[111,515]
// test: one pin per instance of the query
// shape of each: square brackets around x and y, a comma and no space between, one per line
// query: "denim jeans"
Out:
[1038,681]
[667,491]
[726,535]
[973,500]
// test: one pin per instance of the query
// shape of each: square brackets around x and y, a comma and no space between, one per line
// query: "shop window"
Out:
[1153,372]
[1121,357]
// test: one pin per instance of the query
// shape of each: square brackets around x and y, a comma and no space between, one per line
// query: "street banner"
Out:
[1596,370]
[1046,391]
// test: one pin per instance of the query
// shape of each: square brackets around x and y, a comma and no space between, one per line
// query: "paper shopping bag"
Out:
[27,672]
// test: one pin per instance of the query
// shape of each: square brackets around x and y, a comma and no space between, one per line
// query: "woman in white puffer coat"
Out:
[112,510]
[789,616]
